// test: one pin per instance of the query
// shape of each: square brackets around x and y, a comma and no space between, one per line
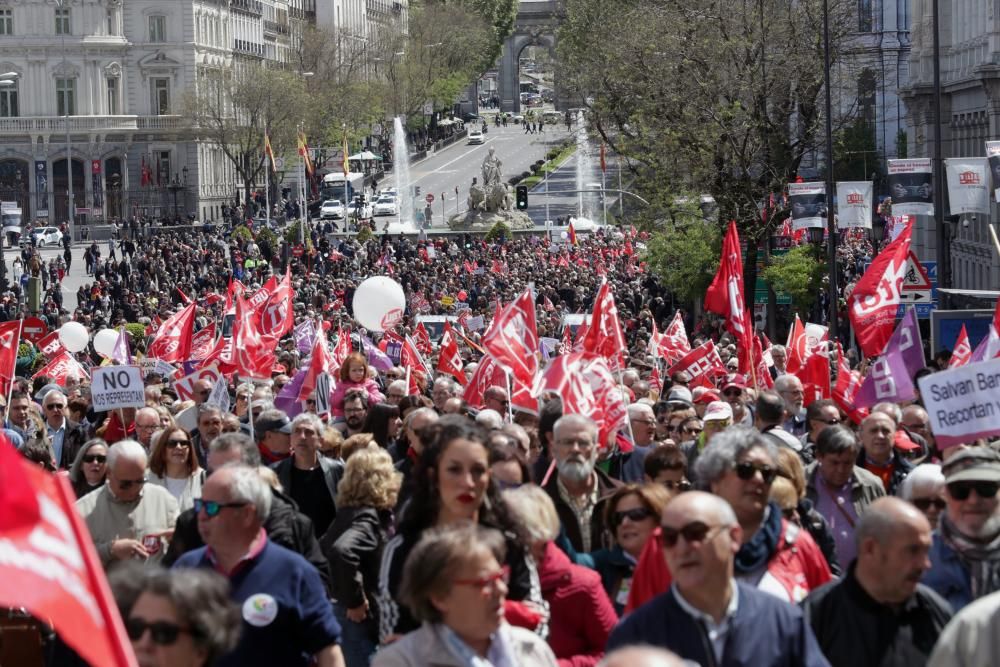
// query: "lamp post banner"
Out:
[993,155]
[967,185]
[911,186]
[808,202]
[854,204]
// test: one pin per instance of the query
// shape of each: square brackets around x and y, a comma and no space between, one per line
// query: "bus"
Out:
[10,221]
[333,186]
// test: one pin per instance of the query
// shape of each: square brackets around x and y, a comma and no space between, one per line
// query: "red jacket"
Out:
[581,613]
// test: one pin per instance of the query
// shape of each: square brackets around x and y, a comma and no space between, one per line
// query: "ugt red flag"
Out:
[487,374]
[203,342]
[277,317]
[604,336]
[48,564]
[845,392]
[725,294]
[449,359]
[513,339]
[875,299]
[10,335]
[673,343]
[250,355]
[173,341]
[962,353]
[319,363]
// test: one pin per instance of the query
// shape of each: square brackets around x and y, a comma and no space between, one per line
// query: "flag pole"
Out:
[17,344]
[267,192]
[510,394]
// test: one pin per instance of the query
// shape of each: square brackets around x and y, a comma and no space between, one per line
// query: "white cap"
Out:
[718,411]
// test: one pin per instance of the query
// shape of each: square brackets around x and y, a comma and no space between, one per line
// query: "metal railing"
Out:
[30,124]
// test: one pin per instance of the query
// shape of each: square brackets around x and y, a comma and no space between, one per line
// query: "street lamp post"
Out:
[941,233]
[831,225]
[69,145]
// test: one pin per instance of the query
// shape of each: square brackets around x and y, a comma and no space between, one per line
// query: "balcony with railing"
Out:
[57,124]
[275,28]
[248,6]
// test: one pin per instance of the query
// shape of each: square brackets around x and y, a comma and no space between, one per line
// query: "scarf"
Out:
[980,557]
[756,553]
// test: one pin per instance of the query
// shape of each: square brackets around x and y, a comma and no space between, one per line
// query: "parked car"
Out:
[385,205]
[331,208]
[44,236]
[476,137]
[356,210]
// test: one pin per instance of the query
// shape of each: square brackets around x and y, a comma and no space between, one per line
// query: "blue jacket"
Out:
[948,577]
[764,632]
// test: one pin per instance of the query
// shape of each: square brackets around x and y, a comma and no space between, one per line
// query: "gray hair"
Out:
[227,442]
[779,349]
[639,410]
[397,384]
[535,511]
[577,420]
[890,409]
[784,383]
[53,392]
[489,419]
[836,439]
[207,408]
[727,448]
[310,419]
[426,412]
[129,450]
[925,477]
[246,486]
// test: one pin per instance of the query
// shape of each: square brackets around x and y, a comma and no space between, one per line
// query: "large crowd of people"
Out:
[404,523]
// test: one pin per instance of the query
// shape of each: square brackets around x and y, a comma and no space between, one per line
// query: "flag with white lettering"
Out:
[962,352]
[890,377]
[876,297]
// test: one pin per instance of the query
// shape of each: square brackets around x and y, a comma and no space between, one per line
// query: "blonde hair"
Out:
[783,492]
[535,513]
[370,480]
[355,443]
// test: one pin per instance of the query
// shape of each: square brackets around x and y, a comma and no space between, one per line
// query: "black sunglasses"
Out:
[961,490]
[745,470]
[635,514]
[178,443]
[94,458]
[682,485]
[733,392]
[696,531]
[162,632]
[924,504]
[211,507]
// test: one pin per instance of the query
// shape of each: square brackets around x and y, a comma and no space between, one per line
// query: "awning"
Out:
[365,155]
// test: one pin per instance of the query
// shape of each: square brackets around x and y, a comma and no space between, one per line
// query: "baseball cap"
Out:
[707,396]
[280,424]
[977,464]
[680,395]
[902,442]
[718,411]
[735,380]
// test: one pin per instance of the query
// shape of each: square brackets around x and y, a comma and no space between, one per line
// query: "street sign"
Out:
[298,250]
[429,198]
[919,287]
[34,328]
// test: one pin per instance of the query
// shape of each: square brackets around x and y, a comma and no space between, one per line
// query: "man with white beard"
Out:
[577,488]
[965,556]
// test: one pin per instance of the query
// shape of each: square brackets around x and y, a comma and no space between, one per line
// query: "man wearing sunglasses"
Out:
[67,437]
[734,393]
[287,617]
[128,519]
[643,425]
[706,616]
[965,556]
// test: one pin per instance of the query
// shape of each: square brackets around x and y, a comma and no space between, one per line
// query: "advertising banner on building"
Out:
[95,171]
[911,187]
[854,204]
[808,202]
[993,155]
[42,188]
[967,185]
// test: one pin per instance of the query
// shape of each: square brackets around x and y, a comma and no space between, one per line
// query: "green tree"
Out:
[685,257]
[799,274]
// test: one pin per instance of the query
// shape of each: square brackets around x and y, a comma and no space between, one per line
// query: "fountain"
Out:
[585,172]
[401,173]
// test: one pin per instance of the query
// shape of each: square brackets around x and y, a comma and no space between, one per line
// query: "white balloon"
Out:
[104,342]
[74,336]
[564,235]
[379,303]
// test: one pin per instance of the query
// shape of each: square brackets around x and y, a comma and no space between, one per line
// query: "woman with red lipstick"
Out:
[451,484]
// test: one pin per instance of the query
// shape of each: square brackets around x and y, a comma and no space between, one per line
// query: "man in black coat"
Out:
[879,615]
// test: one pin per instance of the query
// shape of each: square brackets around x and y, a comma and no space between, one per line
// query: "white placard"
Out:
[963,403]
[220,395]
[911,186]
[115,387]
[808,201]
[185,386]
[854,204]
[967,185]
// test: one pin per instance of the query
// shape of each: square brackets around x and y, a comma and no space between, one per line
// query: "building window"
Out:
[65,97]
[867,97]
[160,93]
[866,16]
[113,109]
[6,21]
[8,102]
[157,28]
[62,21]
[162,167]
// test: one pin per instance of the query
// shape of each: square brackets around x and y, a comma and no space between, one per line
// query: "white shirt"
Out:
[717,632]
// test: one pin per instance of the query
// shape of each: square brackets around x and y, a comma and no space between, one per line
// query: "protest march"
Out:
[469,450]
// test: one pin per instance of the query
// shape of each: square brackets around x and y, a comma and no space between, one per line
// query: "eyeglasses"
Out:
[483,583]
[691,430]
[94,458]
[682,485]
[961,490]
[55,406]
[745,470]
[733,393]
[211,507]
[147,427]
[832,421]
[696,531]
[647,422]
[924,504]
[126,484]
[635,514]
[173,444]
[162,632]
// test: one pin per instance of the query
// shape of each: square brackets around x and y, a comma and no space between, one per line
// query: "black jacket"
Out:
[900,469]
[854,630]
[599,537]
[353,546]
[285,525]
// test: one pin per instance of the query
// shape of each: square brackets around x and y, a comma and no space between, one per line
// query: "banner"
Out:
[911,187]
[42,188]
[113,387]
[98,196]
[808,202]
[963,402]
[876,297]
[993,157]
[185,386]
[854,204]
[891,375]
[702,360]
[967,185]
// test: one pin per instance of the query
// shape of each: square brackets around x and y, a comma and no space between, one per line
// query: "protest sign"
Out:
[115,387]
[963,403]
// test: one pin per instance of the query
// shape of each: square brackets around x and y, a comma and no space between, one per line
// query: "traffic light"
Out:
[522,197]
[416,190]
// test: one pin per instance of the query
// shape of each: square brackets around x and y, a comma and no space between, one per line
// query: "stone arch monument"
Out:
[537,21]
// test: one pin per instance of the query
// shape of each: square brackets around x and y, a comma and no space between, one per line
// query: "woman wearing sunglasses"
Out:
[89,468]
[174,466]
[455,584]
[182,619]
[924,488]
[776,556]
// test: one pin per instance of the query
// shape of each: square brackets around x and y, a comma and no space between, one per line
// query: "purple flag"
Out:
[377,359]
[288,398]
[891,375]
[305,334]
[121,353]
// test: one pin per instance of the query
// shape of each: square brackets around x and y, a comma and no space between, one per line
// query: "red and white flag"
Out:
[605,337]
[702,363]
[845,391]
[250,355]
[513,339]
[803,342]
[319,363]
[673,343]
[488,374]
[61,367]
[277,316]
[121,354]
[173,341]
[989,347]
[49,566]
[587,387]
[449,358]
[202,343]
[423,340]
[725,294]
[875,300]
[547,305]
[962,353]
[341,350]
[10,338]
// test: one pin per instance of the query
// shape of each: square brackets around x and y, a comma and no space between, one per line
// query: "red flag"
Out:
[250,355]
[655,382]
[487,374]
[725,294]
[566,346]
[409,357]
[875,299]
[341,351]
[49,344]
[803,342]
[469,268]
[513,339]
[423,340]
[143,174]
[257,300]
[10,336]
[547,305]
[587,387]
[847,387]
[815,376]
[703,360]
[277,317]
[962,353]
[604,336]
[184,297]
[49,565]
[319,363]
[202,343]
[449,359]
[173,341]
[62,366]
[673,343]
[571,233]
